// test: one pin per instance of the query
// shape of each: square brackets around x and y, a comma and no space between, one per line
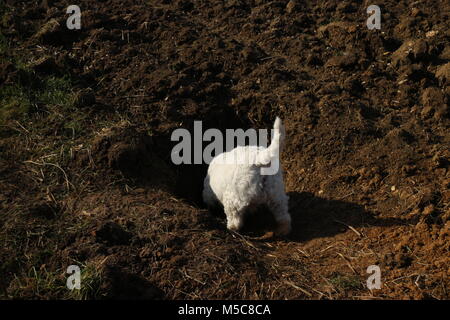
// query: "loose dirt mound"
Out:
[366,161]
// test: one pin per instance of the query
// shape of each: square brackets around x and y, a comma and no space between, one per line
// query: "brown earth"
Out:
[366,161]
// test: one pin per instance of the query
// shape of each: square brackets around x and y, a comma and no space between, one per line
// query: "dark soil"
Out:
[366,160]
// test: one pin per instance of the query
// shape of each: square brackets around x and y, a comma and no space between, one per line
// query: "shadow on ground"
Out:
[316,217]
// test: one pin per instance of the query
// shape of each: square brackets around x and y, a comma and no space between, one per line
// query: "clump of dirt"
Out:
[112,234]
[366,159]
[130,151]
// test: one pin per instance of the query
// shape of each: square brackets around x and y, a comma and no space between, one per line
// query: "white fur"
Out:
[240,186]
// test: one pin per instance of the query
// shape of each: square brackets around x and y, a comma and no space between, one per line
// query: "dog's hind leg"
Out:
[279,208]
[234,211]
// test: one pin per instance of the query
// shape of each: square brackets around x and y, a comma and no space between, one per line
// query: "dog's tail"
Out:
[276,145]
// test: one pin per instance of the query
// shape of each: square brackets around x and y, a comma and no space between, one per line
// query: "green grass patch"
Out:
[56,93]
[91,280]
[15,103]
[345,282]
[37,284]
[51,94]
[28,91]
[43,284]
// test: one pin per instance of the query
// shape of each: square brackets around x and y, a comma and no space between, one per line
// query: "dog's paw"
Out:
[234,225]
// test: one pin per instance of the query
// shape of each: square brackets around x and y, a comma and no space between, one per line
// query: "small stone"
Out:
[428,210]
[431,34]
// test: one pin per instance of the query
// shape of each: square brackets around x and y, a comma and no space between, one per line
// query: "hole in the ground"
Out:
[259,222]
[190,177]
[147,159]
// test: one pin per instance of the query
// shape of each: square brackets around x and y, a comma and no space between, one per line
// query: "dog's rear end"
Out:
[242,186]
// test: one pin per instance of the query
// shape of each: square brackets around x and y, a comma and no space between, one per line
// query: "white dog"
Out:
[240,186]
